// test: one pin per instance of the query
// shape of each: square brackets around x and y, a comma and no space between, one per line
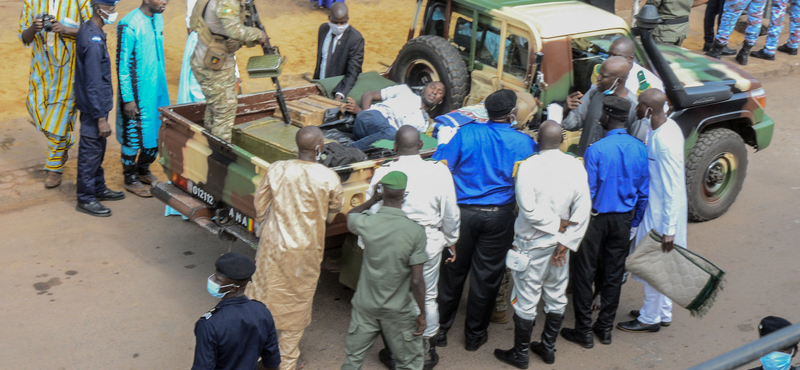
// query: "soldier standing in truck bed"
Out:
[221,31]
[675,20]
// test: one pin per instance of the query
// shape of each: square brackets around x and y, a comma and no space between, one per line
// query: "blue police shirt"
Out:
[94,95]
[234,334]
[618,174]
[481,157]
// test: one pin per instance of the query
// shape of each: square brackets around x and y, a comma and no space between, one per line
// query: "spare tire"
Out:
[432,58]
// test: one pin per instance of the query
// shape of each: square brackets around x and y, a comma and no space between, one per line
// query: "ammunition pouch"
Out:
[220,47]
[216,55]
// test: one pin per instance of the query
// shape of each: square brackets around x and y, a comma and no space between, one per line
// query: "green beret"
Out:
[395,180]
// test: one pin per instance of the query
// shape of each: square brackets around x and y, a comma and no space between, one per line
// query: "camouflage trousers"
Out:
[219,88]
[730,14]
[501,302]
[776,24]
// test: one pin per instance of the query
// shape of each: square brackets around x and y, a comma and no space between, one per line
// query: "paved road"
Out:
[124,292]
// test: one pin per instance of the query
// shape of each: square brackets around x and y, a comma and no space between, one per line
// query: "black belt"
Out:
[595,213]
[488,208]
[678,20]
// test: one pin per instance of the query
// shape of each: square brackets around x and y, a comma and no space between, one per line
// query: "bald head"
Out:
[308,138]
[407,141]
[653,99]
[614,69]
[622,47]
[550,135]
[338,13]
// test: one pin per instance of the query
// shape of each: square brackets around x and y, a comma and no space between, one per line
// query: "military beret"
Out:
[616,107]
[235,266]
[106,2]
[772,324]
[500,103]
[395,180]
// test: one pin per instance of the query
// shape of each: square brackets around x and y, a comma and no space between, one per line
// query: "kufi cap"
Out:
[235,266]
[771,324]
[500,103]
[106,2]
[395,180]
[616,107]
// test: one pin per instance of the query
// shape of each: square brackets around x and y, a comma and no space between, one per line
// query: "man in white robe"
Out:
[667,208]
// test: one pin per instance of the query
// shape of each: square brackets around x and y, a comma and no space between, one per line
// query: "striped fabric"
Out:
[50,101]
[57,147]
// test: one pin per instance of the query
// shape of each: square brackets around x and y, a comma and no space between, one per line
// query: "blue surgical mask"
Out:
[213,288]
[112,17]
[613,87]
[777,360]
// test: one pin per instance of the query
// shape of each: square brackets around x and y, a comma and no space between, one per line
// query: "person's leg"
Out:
[755,15]
[776,25]
[146,158]
[794,25]
[369,127]
[289,345]
[583,275]
[653,303]
[361,335]
[452,276]
[407,347]
[90,159]
[614,250]
[732,9]
[430,273]
[57,147]
[99,176]
[219,88]
[554,294]
[499,315]
[709,20]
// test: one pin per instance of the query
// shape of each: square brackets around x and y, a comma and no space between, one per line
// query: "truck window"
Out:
[487,42]
[434,21]
[588,52]
[517,52]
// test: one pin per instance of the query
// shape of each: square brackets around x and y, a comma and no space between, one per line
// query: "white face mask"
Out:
[319,153]
[338,29]
[112,17]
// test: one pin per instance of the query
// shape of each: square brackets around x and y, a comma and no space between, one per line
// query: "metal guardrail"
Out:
[778,340]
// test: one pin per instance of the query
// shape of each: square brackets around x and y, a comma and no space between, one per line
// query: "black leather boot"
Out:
[546,349]
[744,53]
[431,358]
[785,48]
[716,50]
[762,54]
[518,356]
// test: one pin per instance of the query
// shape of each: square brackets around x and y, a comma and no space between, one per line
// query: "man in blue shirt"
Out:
[618,183]
[232,335]
[481,157]
[94,99]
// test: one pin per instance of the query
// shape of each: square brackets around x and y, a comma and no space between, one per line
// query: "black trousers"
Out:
[606,242]
[91,152]
[481,250]
[713,15]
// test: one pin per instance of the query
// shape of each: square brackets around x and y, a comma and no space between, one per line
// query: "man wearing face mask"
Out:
[583,111]
[340,51]
[292,203]
[235,333]
[778,360]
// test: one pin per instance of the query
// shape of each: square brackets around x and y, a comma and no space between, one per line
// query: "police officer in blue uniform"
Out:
[232,335]
[94,98]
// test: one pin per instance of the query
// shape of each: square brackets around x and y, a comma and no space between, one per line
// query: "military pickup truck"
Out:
[544,48]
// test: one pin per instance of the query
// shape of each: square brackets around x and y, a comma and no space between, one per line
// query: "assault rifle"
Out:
[252,20]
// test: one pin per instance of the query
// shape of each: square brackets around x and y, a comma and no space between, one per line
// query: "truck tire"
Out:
[715,171]
[432,58]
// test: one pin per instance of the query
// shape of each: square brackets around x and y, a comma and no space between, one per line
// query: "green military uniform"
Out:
[222,21]
[383,302]
[675,17]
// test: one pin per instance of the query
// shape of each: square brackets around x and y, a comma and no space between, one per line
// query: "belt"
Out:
[595,213]
[488,208]
[679,20]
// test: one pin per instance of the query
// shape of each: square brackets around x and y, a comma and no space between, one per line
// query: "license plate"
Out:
[236,216]
[201,194]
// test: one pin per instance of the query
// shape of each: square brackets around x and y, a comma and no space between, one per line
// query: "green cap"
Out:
[395,180]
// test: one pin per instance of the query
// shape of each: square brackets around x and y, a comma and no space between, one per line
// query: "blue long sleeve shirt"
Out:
[481,157]
[618,174]
[94,95]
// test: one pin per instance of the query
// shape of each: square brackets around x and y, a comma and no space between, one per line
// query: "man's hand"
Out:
[338,97]
[452,258]
[58,27]
[667,243]
[597,302]
[574,100]
[560,255]
[263,40]
[564,224]
[37,24]
[103,127]
[351,106]
[130,109]
[421,323]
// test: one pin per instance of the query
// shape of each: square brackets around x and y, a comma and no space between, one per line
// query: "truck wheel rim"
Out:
[420,72]
[719,177]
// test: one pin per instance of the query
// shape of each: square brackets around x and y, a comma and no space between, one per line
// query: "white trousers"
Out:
[430,274]
[540,280]
[657,307]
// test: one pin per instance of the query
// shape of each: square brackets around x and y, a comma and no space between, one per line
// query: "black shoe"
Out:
[431,358]
[603,335]
[546,349]
[635,315]
[744,53]
[707,46]
[716,50]
[109,194]
[387,358]
[518,356]
[786,49]
[94,209]
[728,51]
[473,345]
[762,54]
[636,326]
[584,340]
[441,338]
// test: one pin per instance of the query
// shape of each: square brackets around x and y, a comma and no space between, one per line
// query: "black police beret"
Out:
[500,103]
[235,266]
[616,107]
[771,324]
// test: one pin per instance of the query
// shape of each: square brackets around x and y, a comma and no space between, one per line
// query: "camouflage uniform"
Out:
[675,14]
[222,17]
[733,9]
[776,24]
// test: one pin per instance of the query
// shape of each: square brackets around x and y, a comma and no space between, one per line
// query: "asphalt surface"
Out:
[124,292]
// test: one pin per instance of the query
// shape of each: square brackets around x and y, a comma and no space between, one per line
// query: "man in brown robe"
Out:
[293,202]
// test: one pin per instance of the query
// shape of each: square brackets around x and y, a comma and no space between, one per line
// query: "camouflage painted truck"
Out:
[549,49]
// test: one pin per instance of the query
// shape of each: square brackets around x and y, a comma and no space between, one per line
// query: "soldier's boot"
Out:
[716,50]
[744,53]
[431,358]
[146,158]
[518,356]
[546,349]
[132,182]
[762,54]
[785,48]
